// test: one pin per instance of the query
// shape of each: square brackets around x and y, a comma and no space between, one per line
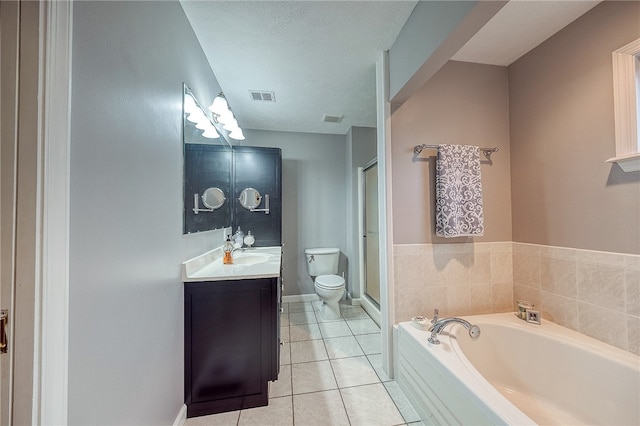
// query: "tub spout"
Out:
[439,326]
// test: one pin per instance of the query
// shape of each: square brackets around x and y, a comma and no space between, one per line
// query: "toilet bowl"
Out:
[322,264]
[330,289]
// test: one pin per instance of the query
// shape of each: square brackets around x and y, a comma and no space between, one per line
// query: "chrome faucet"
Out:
[439,325]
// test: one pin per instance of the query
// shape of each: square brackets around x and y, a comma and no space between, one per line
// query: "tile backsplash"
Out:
[458,279]
[595,293]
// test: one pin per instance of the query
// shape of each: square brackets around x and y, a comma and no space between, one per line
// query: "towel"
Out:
[458,192]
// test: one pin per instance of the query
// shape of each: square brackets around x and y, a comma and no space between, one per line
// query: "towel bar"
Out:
[486,151]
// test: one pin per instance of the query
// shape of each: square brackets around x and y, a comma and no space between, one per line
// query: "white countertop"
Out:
[209,266]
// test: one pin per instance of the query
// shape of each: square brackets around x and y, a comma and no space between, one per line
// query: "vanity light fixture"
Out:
[196,114]
[222,114]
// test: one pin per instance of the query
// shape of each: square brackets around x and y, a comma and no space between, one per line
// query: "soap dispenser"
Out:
[238,238]
[249,239]
[227,248]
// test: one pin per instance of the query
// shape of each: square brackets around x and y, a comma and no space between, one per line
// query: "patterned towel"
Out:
[458,192]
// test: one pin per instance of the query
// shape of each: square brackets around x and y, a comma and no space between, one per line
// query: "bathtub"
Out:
[516,373]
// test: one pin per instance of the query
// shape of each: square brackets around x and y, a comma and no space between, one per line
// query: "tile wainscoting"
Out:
[595,293]
[458,279]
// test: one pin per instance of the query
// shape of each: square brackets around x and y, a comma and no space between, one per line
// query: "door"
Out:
[371,234]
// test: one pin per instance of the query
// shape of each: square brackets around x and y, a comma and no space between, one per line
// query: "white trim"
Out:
[51,345]
[370,309]
[181,418]
[300,298]
[628,163]
[387,307]
[361,247]
[625,100]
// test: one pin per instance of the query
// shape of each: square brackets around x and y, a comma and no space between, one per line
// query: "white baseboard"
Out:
[300,298]
[182,416]
[355,302]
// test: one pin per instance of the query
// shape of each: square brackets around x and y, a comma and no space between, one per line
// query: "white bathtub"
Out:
[517,373]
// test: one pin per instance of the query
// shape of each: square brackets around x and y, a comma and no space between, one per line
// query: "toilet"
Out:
[322,264]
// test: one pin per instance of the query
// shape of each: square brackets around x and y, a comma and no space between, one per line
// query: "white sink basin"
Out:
[257,262]
[249,258]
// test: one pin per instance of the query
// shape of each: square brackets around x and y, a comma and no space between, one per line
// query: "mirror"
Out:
[250,198]
[207,169]
[213,198]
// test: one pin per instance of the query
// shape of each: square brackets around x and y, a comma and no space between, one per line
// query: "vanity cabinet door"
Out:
[230,335]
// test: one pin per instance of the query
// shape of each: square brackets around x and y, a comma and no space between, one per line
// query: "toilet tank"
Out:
[322,261]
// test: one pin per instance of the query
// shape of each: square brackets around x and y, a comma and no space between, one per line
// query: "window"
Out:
[626,97]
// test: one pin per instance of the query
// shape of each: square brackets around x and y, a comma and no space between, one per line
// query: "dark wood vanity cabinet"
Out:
[232,343]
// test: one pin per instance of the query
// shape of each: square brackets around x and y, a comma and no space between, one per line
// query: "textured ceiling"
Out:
[319,56]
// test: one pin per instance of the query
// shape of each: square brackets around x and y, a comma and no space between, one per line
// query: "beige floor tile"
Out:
[306,351]
[363,326]
[343,347]
[402,403]
[320,409]
[284,334]
[301,332]
[376,363]
[334,329]
[312,377]
[284,319]
[221,419]
[353,312]
[308,317]
[285,354]
[370,405]
[300,307]
[370,343]
[353,371]
[282,386]
[279,412]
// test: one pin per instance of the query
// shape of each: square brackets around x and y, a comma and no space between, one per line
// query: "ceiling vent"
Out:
[261,95]
[332,118]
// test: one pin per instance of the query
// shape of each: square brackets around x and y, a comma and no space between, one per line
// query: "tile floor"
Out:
[330,375]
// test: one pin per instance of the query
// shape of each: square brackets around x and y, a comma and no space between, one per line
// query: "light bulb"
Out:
[219,105]
[225,117]
[189,104]
[197,116]
[231,125]
[203,125]
[210,133]
[237,134]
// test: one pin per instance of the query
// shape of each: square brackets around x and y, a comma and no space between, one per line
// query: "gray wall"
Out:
[126,244]
[562,131]
[361,149]
[463,103]
[314,187]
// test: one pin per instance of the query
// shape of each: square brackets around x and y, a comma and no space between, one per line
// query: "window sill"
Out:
[628,163]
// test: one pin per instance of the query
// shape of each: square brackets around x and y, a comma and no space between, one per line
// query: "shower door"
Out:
[371,235]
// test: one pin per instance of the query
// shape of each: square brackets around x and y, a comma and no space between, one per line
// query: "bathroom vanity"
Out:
[231,329]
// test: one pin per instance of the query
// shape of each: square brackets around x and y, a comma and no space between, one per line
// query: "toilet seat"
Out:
[329,282]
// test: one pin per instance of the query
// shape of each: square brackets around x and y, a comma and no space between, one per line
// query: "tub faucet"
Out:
[438,327]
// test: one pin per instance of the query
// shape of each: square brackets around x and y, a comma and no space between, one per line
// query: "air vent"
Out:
[332,118]
[261,95]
